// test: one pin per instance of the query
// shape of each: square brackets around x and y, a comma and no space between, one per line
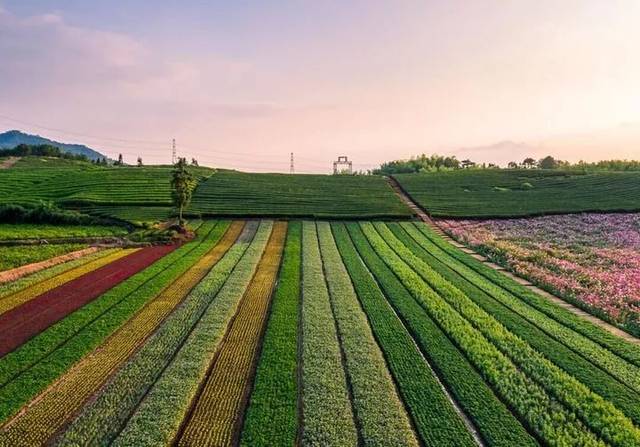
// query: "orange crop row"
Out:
[218,410]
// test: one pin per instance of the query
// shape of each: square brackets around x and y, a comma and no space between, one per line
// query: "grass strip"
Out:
[158,418]
[51,410]
[16,299]
[100,421]
[217,412]
[495,423]
[525,396]
[272,415]
[326,407]
[598,380]
[28,370]
[381,416]
[617,345]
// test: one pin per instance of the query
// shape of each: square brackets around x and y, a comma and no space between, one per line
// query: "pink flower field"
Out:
[591,260]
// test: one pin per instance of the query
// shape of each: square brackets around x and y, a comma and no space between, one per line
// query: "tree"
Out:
[512,165]
[528,162]
[120,160]
[139,162]
[194,162]
[182,183]
[548,162]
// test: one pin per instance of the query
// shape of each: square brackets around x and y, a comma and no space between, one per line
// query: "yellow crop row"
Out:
[219,408]
[9,302]
[55,406]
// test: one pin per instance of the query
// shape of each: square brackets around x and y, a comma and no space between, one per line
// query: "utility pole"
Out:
[291,169]
[173,151]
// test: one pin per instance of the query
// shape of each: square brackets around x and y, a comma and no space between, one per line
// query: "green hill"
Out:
[144,193]
[340,196]
[504,193]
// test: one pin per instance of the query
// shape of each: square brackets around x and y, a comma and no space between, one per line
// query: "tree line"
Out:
[436,163]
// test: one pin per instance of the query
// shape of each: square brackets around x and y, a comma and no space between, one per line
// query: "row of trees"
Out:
[41,150]
[431,163]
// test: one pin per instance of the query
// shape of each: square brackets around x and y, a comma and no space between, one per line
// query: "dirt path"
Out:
[6,164]
[555,299]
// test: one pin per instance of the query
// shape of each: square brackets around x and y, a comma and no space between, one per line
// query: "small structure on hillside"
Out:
[343,165]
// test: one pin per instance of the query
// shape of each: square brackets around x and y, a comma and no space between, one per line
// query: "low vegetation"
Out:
[521,192]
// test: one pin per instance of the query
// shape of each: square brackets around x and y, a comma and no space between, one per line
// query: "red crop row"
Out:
[32,317]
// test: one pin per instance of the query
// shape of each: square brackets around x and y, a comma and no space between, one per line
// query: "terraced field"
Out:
[131,193]
[525,192]
[315,333]
[321,196]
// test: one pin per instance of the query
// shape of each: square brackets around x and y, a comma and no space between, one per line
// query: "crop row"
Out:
[380,414]
[525,396]
[155,422]
[101,420]
[598,414]
[615,344]
[419,389]
[15,256]
[19,297]
[34,316]
[597,379]
[50,412]
[42,275]
[39,231]
[30,368]
[272,415]
[217,412]
[326,407]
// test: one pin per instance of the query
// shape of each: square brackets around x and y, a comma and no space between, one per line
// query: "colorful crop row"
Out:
[381,417]
[326,407]
[52,409]
[494,422]
[272,414]
[29,280]
[524,395]
[558,343]
[604,338]
[20,297]
[155,422]
[18,255]
[591,260]
[101,420]
[217,412]
[34,316]
[596,413]
[30,368]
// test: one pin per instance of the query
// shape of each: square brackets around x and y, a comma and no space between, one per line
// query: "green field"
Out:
[508,193]
[16,256]
[242,194]
[124,192]
[44,231]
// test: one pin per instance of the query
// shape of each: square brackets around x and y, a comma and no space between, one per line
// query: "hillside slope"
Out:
[505,193]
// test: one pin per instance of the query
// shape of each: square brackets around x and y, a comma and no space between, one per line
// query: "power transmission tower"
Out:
[342,165]
[173,151]
[291,169]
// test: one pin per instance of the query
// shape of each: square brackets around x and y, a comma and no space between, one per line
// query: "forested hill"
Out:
[13,138]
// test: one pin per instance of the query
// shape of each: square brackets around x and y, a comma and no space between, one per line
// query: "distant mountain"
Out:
[13,138]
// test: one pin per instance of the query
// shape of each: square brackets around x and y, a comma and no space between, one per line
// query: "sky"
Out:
[243,84]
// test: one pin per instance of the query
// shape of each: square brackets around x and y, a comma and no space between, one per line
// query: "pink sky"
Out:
[243,86]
